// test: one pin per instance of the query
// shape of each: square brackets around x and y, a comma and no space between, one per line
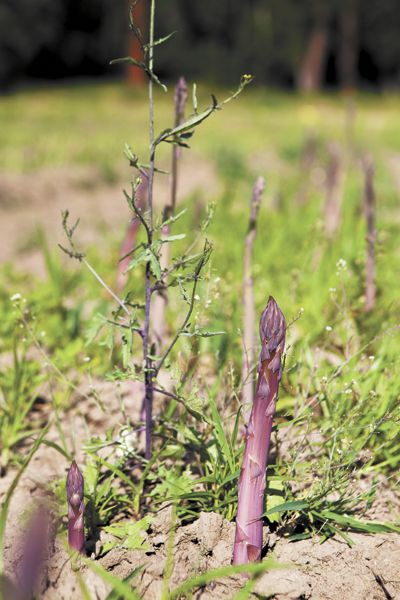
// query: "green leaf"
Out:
[173,218]
[139,258]
[154,264]
[356,524]
[220,572]
[116,583]
[188,125]
[299,536]
[173,238]
[221,435]
[141,65]
[131,535]
[96,324]
[114,595]
[294,505]
[127,342]
[160,40]
[199,332]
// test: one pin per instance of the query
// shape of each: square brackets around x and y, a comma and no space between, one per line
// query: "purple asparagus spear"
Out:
[76,508]
[252,480]
[38,540]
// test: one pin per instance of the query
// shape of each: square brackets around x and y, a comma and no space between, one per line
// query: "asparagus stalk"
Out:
[334,190]
[76,508]
[252,480]
[248,297]
[369,203]
[36,547]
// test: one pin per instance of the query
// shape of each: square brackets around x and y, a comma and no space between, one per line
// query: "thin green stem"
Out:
[148,375]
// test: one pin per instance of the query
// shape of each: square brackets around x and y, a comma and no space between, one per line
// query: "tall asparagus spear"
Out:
[252,480]
[76,508]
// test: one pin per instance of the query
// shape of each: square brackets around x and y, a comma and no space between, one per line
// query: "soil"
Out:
[31,201]
[308,569]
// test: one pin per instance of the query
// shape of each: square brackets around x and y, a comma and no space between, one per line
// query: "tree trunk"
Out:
[135,75]
[348,49]
[311,69]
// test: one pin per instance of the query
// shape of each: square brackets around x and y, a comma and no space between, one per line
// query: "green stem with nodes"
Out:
[147,361]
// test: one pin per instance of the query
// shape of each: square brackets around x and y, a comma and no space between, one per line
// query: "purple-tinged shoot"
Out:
[252,480]
[180,99]
[37,543]
[76,508]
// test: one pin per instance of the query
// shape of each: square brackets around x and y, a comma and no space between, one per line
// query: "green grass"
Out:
[338,413]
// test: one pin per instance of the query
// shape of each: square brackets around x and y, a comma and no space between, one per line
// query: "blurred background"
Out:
[66,114]
[308,45]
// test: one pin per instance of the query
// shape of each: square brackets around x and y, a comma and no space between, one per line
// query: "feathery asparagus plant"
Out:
[252,480]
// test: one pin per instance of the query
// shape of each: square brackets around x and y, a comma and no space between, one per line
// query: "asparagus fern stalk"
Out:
[76,508]
[252,480]
[248,296]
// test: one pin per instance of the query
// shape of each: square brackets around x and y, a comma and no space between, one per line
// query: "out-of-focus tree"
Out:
[281,42]
[311,71]
[349,28]
[57,38]
[26,28]
[138,16]
[380,39]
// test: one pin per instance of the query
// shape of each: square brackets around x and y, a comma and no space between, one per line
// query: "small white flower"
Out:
[42,334]
[328,328]
[196,297]
[87,359]
[332,290]
[16,297]
[301,309]
[372,357]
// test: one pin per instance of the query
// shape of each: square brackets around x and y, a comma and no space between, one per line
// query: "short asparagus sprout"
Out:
[76,508]
[252,480]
